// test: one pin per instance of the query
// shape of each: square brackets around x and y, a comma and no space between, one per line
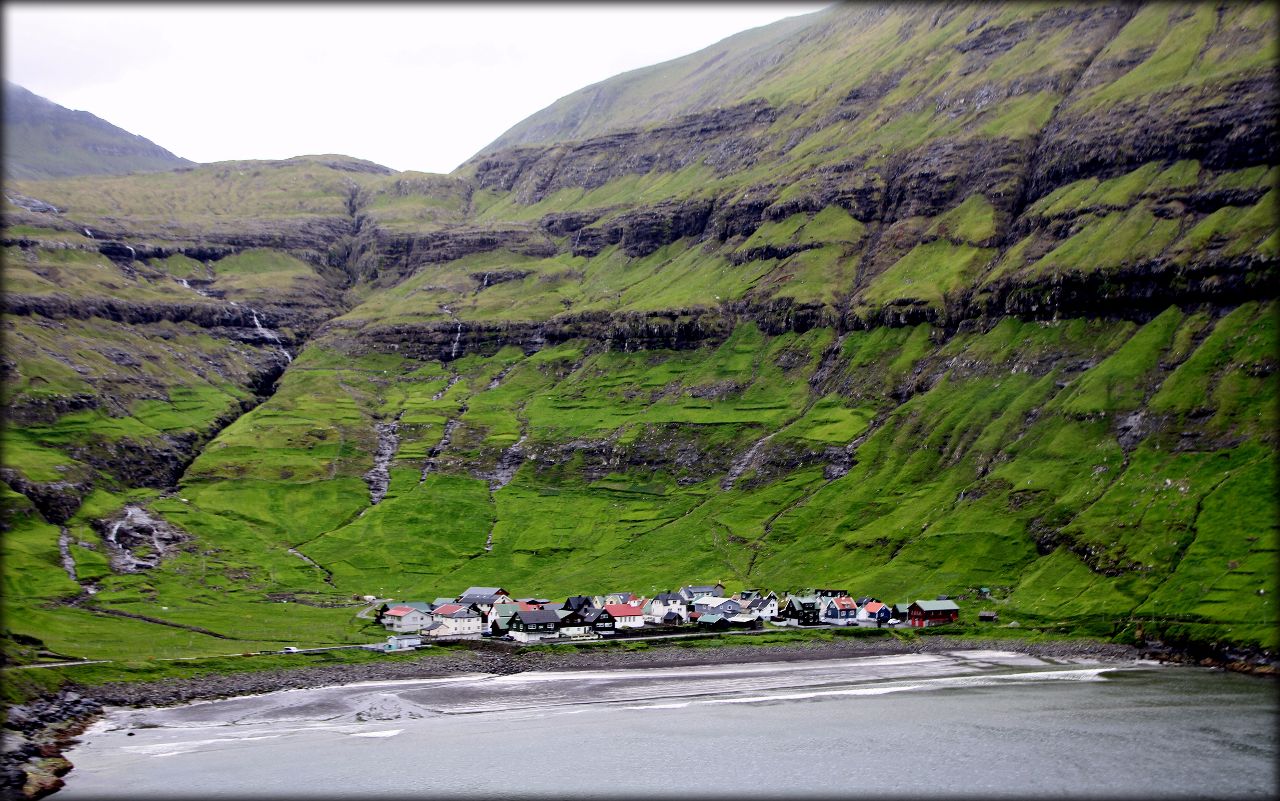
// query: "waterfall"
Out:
[508,464]
[379,476]
[88,233]
[68,560]
[267,334]
[133,254]
[743,463]
[457,339]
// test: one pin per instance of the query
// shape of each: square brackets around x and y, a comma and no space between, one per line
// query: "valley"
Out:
[919,299]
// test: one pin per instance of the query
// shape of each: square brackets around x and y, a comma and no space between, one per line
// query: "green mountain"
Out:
[914,299]
[45,140]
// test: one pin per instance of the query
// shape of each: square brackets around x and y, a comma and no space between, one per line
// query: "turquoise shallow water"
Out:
[974,723]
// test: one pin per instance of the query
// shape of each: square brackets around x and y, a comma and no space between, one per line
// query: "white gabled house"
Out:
[626,616]
[457,620]
[662,604]
[407,618]
[714,604]
[765,608]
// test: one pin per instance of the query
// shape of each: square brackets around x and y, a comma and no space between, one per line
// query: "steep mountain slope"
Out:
[914,299]
[45,140]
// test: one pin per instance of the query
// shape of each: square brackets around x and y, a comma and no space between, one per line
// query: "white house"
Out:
[407,618]
[458,621]
[765,608]
[626,616]
[725,607]
[662,604]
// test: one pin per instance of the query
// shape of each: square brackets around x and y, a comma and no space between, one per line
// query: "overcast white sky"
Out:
[411,86]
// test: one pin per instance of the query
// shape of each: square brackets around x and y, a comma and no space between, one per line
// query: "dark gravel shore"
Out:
[485,660]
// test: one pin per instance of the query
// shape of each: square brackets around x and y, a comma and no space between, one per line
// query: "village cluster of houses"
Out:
[494,612]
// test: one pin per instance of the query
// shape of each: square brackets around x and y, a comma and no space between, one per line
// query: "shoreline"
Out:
[169,692]
[35,769]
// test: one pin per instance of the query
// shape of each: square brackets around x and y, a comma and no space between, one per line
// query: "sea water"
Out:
[969,723]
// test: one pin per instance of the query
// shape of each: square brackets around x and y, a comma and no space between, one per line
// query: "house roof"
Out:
[454,611]
[714,601]
[803,599]
[703,589]
[669,596]
[402,610]
[672,616]
[623,610]
[531,616]
[509,609]
[480,599]
[873,607]
[936,606]
[433,626]
[710,617]
[758,603]
[485,591]
[843,602]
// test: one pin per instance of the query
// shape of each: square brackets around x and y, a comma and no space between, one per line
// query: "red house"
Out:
[932,613]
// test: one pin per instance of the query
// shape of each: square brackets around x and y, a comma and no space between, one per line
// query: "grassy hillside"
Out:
[913,300]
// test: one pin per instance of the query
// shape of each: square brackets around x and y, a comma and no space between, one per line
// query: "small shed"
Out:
[988,616]
[403,642]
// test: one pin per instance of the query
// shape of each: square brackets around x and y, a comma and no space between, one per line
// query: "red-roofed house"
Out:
[457,620]
[874,613]
[406,618]
[626,616]
[840,610]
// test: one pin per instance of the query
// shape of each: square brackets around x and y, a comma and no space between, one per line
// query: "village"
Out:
[493,612]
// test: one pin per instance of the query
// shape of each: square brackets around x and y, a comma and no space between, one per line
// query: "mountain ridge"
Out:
[45,140]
